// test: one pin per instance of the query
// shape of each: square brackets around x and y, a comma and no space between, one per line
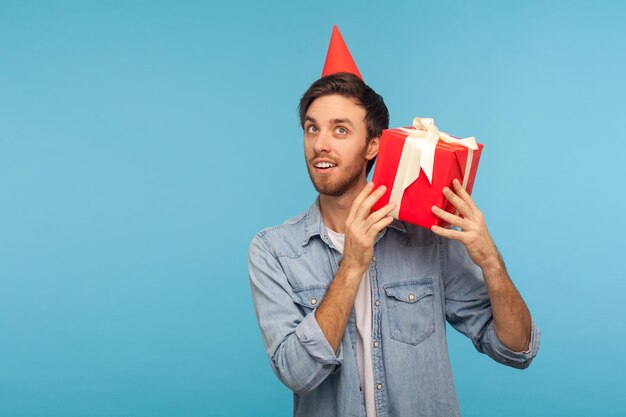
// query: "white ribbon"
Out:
[419,153]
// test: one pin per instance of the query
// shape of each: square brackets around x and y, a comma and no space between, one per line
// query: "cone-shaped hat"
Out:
[338,58]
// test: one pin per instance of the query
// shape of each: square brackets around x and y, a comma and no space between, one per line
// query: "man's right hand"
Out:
[361,229]
[362,226]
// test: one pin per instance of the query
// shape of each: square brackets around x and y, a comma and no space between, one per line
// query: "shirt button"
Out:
[411,297]
[379,387]
[376,343]
[314,301]
[374,258]
[377,302]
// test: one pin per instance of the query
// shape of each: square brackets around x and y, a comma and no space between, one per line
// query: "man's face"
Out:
[335,146]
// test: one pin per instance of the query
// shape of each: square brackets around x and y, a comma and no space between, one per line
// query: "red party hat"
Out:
[338,58]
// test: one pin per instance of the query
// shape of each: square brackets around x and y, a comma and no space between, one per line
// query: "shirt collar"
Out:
[314,226]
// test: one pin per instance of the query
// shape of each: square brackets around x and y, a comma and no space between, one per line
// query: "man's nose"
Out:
[322,144]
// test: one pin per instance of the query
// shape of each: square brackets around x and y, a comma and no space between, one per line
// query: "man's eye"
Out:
[311,129]
[341,130]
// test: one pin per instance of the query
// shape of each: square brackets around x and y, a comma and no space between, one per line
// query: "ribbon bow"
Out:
[418,154]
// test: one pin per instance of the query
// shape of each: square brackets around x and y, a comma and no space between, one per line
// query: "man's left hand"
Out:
[511,317]
[473,233]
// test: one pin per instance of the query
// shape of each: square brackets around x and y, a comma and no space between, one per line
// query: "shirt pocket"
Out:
[411,311]
[309,298]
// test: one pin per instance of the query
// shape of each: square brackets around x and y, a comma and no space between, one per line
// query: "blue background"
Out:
[143,143]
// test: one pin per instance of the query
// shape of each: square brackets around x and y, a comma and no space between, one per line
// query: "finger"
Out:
[457,202]
[449,233]
[378,214]
[359,199]
[365,207]
[462,192]
[378,226]
[449,217]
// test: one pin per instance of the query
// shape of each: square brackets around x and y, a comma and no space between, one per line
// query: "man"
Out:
[352,304]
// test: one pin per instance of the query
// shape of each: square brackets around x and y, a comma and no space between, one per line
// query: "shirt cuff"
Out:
[313,340]
[521,359]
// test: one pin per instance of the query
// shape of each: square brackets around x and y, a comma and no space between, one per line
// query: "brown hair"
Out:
[349,85]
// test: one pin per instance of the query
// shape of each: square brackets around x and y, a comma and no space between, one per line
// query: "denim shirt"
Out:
[419,280]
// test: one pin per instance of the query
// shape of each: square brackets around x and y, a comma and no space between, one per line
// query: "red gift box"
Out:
[439,156]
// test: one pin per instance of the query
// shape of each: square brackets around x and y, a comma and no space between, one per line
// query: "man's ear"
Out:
[372,148]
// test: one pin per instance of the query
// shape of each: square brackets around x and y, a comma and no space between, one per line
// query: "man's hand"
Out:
[361,229]
[362,226]
[473,233]
[511,317]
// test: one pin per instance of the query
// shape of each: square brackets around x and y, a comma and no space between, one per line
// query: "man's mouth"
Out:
[324,165]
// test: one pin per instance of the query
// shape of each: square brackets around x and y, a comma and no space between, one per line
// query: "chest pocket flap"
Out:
[409,292]
[310,297]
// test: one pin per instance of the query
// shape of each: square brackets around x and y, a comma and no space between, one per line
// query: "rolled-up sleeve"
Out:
[492,346]
[299,353]
[468,308]
[313,340]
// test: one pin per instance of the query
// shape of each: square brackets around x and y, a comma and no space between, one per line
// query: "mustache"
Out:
[325,157]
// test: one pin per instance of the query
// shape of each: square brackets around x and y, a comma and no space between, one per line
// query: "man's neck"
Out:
[335,210]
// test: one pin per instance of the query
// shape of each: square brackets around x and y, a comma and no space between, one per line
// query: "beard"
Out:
[334,187]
